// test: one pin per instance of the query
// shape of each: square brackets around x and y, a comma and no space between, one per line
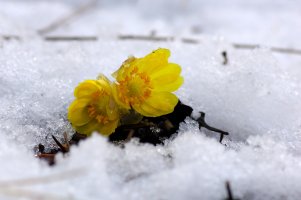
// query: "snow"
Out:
[256,97]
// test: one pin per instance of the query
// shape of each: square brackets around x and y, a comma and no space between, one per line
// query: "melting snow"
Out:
[256,97]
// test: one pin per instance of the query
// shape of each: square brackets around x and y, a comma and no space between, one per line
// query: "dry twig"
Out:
[196,41]
[275,49]
[229,192]
[70,38]
[10,37]
[147,38]
[225,56]
[155,39]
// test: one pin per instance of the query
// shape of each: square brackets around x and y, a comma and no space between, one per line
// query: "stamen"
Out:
[135,88]
[92,112]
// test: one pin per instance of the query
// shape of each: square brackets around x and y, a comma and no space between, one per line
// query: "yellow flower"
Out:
[94,108]
[145,84]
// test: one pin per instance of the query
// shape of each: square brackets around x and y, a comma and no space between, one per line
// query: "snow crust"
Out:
[256,97]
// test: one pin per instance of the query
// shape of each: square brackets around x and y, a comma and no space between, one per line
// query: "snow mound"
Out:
[255,97]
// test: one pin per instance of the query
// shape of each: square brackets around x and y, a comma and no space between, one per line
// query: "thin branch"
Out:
[245,46]
[147,38]
[64,20]
[67,144]
[275,49]
[156,39]
[229,191]
[196,41]
[70,38]
[61,146]
[202,123]
[225,56]
[10,37]
[46,155]
[284,50]
[230,195]
[190,41]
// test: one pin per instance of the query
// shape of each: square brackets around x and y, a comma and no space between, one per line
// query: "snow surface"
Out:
[256,97]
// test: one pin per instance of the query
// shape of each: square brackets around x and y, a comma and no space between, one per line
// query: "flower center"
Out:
[97,109]
[135,88]
[93,112]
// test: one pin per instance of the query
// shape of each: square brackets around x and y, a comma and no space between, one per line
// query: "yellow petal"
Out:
[104,83]
[154,61]
[159,103]
[125,67]
[147,64]
[117,97]
[170,69]
[86,89]
[145,110]
[78,113]
[87,129]
[108,129]
[167,78]
[171,86]
[111,114]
